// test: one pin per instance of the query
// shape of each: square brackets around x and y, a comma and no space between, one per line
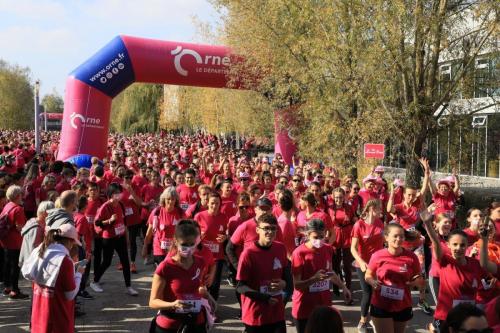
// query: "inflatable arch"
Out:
[91,87]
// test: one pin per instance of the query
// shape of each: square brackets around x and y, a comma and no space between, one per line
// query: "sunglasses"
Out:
[355,188]
[296,180]
[243,207]
[269,229]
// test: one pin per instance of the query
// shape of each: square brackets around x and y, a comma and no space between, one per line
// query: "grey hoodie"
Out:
[32,234]
[57,217]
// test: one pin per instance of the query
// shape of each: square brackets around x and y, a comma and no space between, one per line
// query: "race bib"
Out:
[128,211]
[265,290]
[392,293]
[212,246]
[119,230]
[165,244]
[90,219]
[319,286]
[195,306]
[463,301]
[184,206]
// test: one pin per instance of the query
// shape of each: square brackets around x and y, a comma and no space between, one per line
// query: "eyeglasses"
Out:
[242,207]
[269,229]
[484,330]
[355,188]
[296,180]
[284,183]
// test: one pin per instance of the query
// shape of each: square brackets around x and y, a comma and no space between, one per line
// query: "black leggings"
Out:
[345,257]
[109,245]
[97,253]
[11,269]
[278,327]
[133,233]
[367,292]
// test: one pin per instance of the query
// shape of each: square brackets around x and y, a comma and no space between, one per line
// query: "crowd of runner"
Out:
[280,233]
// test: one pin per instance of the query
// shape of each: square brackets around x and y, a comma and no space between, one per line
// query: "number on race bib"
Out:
[392,293]
[212,246]
[119,230]
[165,244]
[319,286]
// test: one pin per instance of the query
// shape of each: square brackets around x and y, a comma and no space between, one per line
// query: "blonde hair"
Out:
[169,192]
[13,192]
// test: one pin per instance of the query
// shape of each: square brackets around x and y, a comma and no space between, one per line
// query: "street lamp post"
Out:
[37,117]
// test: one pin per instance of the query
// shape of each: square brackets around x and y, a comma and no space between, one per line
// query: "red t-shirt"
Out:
[289,233]
[139,181]
[163,232]
[182,284]
[148,193]
[343,223]
[13,240]
[91,212]
[257,267]
[445,204]
[370,238]
[187,195]
[62,186]
[228,205]
[51,311]
[246,234]
[393,273]
[472,236]
[235,222]
[457,283]
[366,196]
[407,217]
[132,210]
[211,227]
[306,262]
[84,229]
[435,268]
[116,229]
[302,219]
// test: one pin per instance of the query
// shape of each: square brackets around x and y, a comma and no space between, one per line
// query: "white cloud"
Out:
[22,39]
[33,9]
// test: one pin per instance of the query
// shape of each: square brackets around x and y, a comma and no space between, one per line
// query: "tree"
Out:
[16,97]
[361,70]
[137,108]
[53,102]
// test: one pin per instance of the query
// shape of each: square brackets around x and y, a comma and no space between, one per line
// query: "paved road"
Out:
[114,311]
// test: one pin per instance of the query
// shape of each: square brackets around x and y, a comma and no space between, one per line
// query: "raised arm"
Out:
[456,189]
[427,172]
[483,255]
[426,217]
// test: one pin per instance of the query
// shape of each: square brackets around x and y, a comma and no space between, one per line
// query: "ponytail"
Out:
[51,237]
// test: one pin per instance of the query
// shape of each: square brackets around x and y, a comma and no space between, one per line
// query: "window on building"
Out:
[444,78]
[482,79]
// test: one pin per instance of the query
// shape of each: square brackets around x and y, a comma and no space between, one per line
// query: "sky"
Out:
[54,37]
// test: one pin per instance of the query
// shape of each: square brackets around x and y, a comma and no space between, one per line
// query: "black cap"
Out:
[264,202]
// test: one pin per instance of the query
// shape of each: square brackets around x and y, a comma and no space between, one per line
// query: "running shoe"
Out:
[6,292]
[96,287]
[231,282]
[18,295]
[131,291]
[133,268]
[85,294]
[425,307]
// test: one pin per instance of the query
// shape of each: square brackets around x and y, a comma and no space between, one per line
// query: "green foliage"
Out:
[137,109]
[16,97]
[53,102]
[361,70]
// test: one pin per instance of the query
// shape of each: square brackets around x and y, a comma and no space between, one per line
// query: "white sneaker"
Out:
[96,287]
[131,291]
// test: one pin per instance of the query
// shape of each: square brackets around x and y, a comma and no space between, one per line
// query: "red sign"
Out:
[374,150]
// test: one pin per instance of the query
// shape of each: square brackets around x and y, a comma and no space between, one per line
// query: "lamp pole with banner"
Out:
[37,117]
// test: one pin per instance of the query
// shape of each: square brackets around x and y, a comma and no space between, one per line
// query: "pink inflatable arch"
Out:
[124,60]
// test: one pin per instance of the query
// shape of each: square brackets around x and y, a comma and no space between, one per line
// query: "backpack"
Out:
[5,225]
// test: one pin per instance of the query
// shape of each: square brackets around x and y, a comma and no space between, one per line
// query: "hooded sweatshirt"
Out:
[32,233]
[57,217]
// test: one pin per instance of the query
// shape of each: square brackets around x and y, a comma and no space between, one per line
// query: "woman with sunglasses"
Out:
[177,291]
[312,274]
